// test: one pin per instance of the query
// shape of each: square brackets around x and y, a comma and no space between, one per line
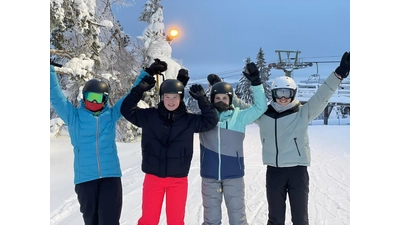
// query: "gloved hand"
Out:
[183,76]
[54,63]
[147,83]
[251,72]
[197,91]
[344,68]
[213,78]
[157,67]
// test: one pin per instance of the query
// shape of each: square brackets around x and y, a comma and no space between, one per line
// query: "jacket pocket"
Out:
[297,146]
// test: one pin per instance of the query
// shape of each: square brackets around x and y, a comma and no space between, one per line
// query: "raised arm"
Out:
[129,104]
[60,103]
[208,112]
[317,103]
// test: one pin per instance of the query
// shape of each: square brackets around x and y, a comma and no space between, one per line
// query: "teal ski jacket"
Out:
[221,149]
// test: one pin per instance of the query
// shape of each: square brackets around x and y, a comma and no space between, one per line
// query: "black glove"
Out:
[183,76]
[252,74]
[147,83]
[197,91]
[157,67]
[213,78]
[54,63]
[344,68]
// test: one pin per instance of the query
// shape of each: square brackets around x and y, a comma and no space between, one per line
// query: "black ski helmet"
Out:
[221,88]
[172,86]
[97,86]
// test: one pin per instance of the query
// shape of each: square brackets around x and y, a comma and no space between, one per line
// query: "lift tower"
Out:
[289,63]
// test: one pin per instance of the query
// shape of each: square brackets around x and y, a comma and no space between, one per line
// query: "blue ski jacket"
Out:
[92,137]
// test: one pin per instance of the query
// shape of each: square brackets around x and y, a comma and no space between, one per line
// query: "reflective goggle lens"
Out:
[283,92]
[92,96]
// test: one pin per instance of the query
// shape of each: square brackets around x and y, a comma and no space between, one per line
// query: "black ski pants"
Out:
[100,201]
[292,181]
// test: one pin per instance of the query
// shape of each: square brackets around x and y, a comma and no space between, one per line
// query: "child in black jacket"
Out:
[167,144]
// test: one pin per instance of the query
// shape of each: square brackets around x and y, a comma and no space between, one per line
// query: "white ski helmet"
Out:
[284,82]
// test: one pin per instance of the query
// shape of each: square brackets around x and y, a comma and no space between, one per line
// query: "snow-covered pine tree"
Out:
[208,89]
[242,89]
[149,9]
[192,104]
[265,72]
[155,45]
[86,39]
[154,33]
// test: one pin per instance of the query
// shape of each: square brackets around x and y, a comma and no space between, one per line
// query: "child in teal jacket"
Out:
[221,151]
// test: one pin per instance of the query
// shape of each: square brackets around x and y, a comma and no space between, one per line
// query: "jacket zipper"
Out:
[165,156]
[219,153]
[276,142]
[97,146]
[219,149]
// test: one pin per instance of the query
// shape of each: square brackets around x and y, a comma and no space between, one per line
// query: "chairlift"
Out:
[314,77]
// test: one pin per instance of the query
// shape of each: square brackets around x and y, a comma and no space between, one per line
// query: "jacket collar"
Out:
[172,115]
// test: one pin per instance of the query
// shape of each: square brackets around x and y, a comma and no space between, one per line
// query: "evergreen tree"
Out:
[242,89]
[150,9]
[265,72]
[208,89]
[192,104]
[153,16]
[154,40]
[88,42]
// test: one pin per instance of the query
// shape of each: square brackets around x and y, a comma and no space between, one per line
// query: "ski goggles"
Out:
[283,92]
[93,96]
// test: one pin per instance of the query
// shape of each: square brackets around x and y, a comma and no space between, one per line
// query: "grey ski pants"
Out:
[232,190]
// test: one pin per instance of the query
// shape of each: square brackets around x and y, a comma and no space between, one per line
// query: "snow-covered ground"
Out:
[329,199]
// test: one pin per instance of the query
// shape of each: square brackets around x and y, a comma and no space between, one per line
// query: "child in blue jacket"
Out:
[92,129]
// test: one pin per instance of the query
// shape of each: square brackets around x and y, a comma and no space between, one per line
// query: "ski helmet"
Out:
[172,86]
[221,88]
[284,82]
[97,86]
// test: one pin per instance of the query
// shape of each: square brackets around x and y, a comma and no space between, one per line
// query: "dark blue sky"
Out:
[217,36]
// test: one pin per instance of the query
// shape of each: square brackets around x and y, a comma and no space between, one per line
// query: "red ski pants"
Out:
[154,189]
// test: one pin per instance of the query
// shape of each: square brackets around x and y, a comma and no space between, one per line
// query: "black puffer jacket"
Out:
[167,137]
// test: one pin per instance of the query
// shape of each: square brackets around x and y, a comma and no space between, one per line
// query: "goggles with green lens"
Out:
[92,96]
[283,92]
